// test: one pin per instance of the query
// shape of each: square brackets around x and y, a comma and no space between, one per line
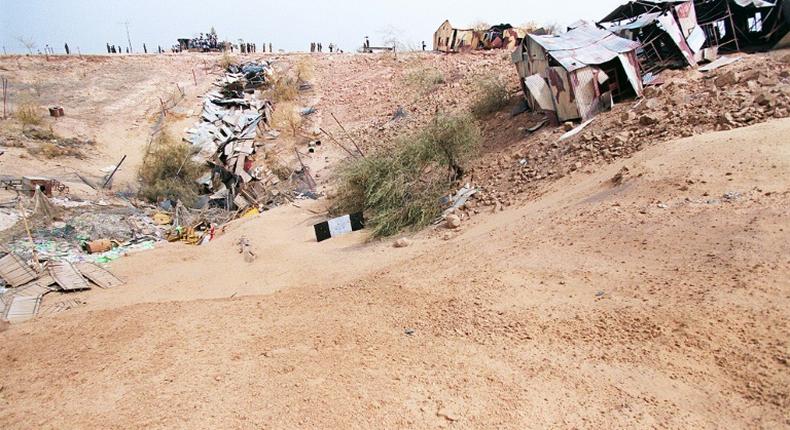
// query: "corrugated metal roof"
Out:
[67,277]
[14,271]
[636,8]
[642,21]
[755,3]
[98,275]
[22,308]
[583,46]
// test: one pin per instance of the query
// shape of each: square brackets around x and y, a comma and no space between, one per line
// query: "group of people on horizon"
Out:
[319,47]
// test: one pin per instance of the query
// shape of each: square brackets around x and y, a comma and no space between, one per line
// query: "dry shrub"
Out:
[278,165]
[28,113]
[52,150]
[304,69]
[168,172]
[285,89]
[286,117]
[492,96]
[402,188]
[226,60]
[424,80]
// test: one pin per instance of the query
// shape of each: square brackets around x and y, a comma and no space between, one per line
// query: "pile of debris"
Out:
[750,91]
[575,75]
[24,286]
[233,118]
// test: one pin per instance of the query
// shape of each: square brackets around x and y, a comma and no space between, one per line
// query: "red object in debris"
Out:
[56,111]
[248,164]
[33,183]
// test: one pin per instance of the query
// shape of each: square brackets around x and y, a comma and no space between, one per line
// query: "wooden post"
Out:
[29,235]
[732,24]
[118,166]
[5,96]
[194,78]
[336,142]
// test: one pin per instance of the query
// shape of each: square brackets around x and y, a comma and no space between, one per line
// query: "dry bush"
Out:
[28,113]
[492,96]
[304,69]
[401,189]
[286,117]
[480,25]
[168,172]
[424,80]
[53,150]
[226,60]
[285,89]
[278,165]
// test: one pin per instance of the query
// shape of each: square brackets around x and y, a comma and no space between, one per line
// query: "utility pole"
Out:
[128,38]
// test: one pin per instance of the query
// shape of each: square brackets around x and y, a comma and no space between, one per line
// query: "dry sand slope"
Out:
[655,303]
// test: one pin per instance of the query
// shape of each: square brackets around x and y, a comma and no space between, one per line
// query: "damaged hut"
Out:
[667,30]
[744,25]
[449,39]
[577,74]
[502,36]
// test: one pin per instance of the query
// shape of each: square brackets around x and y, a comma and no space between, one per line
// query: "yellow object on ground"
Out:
[161,218]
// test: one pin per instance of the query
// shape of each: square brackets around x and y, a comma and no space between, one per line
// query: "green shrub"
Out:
[402,188]
[492,96]
[168,172]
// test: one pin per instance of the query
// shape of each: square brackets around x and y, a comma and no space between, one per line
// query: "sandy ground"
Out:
[111,100]
[658,303]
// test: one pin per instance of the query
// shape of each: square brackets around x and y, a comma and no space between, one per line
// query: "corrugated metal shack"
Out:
[449,39]
[744,25]
[577,74]
[667,30]
[502,36]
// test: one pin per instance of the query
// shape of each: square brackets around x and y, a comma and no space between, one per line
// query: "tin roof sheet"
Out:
[583,46]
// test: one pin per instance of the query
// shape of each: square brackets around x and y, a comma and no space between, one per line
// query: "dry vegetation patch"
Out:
[168,172]
[402,189]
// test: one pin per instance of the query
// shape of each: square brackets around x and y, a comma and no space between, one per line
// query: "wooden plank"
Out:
[99,275]
[67,277]
[14,271]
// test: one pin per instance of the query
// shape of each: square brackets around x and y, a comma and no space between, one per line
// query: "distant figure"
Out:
[145,49]
[67,49]
[320,47]
[270,47]
[331,47]
[424,45]
[263,47]
[108,49]
[366,46]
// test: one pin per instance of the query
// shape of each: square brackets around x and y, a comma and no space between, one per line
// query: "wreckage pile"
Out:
[234,117]
[27,285]
[752,90]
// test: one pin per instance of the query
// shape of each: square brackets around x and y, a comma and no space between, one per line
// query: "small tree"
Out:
[480,25]
[28,43]
[287,117]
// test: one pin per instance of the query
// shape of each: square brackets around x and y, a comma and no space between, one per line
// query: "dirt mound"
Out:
[659,301]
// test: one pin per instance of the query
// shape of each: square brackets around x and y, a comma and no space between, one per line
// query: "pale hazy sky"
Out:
[289,25]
